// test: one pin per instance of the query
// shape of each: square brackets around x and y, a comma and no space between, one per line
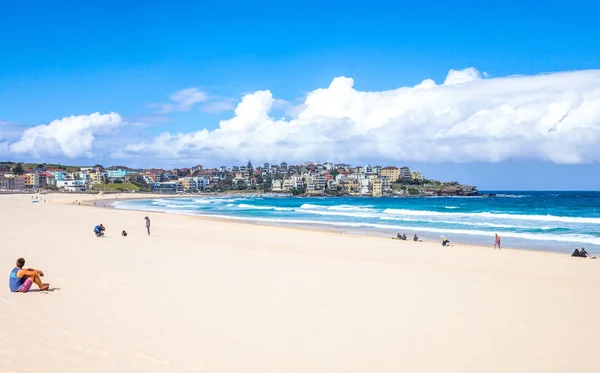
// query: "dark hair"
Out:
[20,262]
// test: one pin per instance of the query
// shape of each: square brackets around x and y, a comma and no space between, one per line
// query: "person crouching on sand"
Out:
[147,224]
[20,279]
[99,230]
[497,242]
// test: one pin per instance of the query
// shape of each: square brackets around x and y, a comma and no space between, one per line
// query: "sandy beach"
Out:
[202,295]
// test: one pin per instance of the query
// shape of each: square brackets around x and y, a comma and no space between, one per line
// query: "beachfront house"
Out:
[73,185]
[168,187]
[276,186]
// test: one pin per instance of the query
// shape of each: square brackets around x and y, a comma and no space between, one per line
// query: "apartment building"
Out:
[405,173]
[32,180]
[391,172]
[377,188]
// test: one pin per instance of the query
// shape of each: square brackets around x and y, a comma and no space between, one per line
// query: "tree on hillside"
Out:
[18,169]
[334,172]
[267,184]
[250,170]
[241,185]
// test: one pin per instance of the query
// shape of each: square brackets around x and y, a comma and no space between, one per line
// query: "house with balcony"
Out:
[117,173]
[202,183]
[276,185]
[168,187]
[288,184]
[320,182]
[73,185]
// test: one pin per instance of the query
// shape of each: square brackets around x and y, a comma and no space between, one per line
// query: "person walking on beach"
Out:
[497,242]
[20,279]
[147,224]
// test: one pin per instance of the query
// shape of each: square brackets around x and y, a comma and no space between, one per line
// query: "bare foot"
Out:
[45,287]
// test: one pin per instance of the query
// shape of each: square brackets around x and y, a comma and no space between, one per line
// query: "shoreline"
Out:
[310,228]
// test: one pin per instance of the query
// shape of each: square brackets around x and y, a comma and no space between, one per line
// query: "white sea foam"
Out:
[572,238]
[246,206]
[354,214]
[489,215]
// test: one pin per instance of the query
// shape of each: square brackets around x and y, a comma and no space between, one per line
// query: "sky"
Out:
[502,96]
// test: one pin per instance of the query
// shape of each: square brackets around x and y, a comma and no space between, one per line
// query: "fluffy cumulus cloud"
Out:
[71,136]
[552,117]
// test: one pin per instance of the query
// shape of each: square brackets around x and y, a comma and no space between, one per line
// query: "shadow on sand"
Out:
[52,289]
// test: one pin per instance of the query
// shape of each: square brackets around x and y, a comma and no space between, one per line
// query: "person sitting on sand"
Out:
[576,253]
[20,279]
[445,242]
[404,237]
[415,238]
[124,233]
[99,230]
[584,254]
[399,236]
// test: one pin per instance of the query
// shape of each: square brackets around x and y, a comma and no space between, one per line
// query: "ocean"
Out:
[549,221]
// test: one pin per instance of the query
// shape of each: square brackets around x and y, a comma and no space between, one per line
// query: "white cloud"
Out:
[553,117]
[182,100]
[70,136]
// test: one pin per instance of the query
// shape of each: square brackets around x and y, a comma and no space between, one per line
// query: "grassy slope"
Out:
[115,187]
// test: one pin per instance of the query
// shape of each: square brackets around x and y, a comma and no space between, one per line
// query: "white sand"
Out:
[210,296]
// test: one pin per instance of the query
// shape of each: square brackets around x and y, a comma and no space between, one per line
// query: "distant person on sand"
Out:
[415,238]
[497,242]
[20,280]
[99,230]
[147,224]
[445,242]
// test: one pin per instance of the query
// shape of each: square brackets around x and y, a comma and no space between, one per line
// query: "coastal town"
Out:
[309,178]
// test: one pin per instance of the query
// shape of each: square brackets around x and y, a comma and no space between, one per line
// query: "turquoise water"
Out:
[551,221]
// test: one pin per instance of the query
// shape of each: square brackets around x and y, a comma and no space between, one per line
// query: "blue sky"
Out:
[64,58]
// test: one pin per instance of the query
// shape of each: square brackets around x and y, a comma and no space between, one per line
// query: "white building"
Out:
[73,185]
[276,186]
[365,185]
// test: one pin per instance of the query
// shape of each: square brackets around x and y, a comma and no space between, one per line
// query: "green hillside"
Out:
[119,187]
